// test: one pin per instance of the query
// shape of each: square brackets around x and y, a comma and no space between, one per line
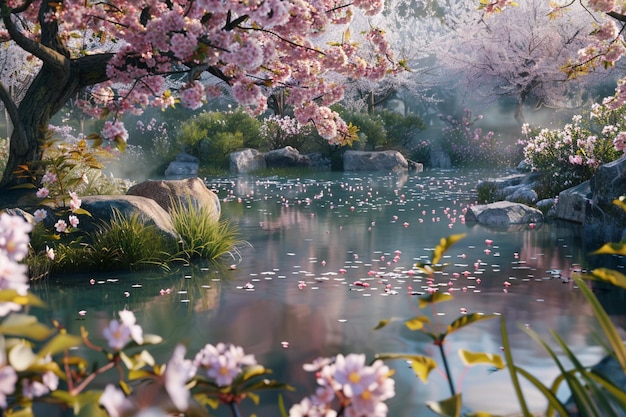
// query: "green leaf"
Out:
[605,323]
[612,248]
[481,414]
[15,297]
[607,275]
[450,407]
[468,319]
[550,395]
[417,323]
[422,365]
[83,404]
[281,406]
[432,298]
[82,211]
[616,392]
[59,343]
[382,324]
[18,324]
[444,244]
[512,369]
[475,358]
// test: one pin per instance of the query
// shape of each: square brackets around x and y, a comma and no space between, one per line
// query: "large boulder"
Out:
[572,202]
[103,209]
[604,221]
[287,157]
[503,213]
[183,166]
[387,161]
[247,160]
[190,190]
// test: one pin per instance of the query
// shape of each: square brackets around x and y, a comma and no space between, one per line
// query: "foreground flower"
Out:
[115,402]
[177,373]
[119,333]
[359,389]
[223,362]
[8,376]
[14,236]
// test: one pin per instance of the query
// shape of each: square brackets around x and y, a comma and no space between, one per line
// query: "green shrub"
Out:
[212,136]
[126,243]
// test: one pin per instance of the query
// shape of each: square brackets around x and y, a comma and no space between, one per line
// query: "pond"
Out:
[329,255]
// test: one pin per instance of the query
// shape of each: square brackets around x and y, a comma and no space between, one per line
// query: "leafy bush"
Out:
[469,146]
[572,154]
[212,136]
[4,153]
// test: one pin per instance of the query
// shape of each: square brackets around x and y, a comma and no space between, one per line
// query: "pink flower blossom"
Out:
[60,226]
[43,192]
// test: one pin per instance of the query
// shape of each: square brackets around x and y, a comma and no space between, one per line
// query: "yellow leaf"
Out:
[444,244]
[611,249]
[417,323]
[422,367]
[476,358]
[433,298]
[607,275]
[450,407]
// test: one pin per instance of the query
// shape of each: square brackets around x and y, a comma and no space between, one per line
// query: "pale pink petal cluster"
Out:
[8,377]
[114,130]
[348,383]
[223,362]
[75,202]
[119,333]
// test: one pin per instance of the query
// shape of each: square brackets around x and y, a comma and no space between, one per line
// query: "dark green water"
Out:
[292,295]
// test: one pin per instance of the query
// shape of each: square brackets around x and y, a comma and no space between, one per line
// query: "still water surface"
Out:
[292,296]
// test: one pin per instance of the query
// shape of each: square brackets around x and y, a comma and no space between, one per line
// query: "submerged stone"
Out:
[503,213]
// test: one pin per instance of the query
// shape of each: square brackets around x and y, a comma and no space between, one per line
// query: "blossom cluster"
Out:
[14,240]
[284,131]
[347,382]
[572,154]
[253,46]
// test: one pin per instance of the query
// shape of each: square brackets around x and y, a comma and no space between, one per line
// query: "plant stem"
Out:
[447,368]
[234,409]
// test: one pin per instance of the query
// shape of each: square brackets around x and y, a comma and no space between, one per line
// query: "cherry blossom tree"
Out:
[519,54]
[250,47]
[604,41]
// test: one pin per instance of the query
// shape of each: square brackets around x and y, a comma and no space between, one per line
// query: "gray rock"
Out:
[102,208]
[387,161]
[503,213]
[190,190]
[247,160]
[547,205]
[524,194]
[287,157]
[319,162]
[604,221]
[184,166]
[572,202]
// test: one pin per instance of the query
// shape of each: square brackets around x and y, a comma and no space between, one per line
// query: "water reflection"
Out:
[311,239]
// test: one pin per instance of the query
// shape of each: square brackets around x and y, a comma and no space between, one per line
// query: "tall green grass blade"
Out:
[616,392]
[581,397]
[605,323]
[554,404]
[596,396]
[512,368]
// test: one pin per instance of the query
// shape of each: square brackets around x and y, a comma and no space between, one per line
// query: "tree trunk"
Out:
[48,93]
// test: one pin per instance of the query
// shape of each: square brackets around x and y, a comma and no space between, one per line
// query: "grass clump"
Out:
[202,235]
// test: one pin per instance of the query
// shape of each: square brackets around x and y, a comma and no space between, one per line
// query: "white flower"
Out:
[353,374]
[177,372]
[223,362]
[14,236]
[115,402]
[117,335]
[40,215]
[50,253]
[128,319]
